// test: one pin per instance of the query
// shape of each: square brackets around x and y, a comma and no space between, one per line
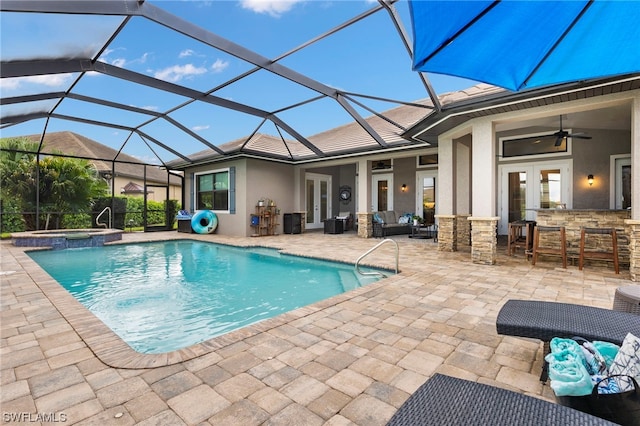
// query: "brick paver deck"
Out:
[353,359]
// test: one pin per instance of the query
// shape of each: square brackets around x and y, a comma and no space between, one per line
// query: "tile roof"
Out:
[348,138]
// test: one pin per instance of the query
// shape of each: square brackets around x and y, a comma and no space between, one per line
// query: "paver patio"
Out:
[353,359]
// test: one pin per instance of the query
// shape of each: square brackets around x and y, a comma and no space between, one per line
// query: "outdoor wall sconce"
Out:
[590,179]
[403,188]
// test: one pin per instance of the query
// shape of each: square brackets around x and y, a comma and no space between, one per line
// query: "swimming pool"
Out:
[163,296]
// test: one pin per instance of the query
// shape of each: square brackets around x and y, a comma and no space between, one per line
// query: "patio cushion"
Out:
[390,216]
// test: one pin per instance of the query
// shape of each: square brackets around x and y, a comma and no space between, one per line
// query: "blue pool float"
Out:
[204,222]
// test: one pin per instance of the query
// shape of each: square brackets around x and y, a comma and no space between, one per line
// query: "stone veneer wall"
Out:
[484,240]
[463,230]
[573,220]
[365,225]
[447,233]
[633,227]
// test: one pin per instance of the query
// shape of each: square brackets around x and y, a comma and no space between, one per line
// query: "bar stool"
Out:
[552,249]
[520,235]
[598,254]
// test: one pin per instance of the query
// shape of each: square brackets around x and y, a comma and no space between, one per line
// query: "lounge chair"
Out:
[445,400]
[546,320]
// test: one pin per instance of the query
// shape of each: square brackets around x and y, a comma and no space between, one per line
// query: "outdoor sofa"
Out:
[389,222]
[446,400]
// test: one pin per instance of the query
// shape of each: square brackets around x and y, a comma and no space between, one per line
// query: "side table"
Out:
[627,299]
[424,231]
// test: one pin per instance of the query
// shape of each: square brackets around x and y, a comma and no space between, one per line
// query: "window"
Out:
[428,160]
[533,146]
[381,165]
[212,191]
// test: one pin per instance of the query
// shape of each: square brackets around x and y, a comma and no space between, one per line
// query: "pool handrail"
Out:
[357,264]
[106,209]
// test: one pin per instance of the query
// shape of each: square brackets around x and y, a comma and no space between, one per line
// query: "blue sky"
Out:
[366,58]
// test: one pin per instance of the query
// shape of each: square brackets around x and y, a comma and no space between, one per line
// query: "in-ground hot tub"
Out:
[66,238]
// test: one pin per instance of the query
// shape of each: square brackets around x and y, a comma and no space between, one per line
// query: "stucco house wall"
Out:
[254,180]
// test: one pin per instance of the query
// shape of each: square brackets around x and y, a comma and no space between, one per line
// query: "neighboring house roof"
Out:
[134,188]
[75,145]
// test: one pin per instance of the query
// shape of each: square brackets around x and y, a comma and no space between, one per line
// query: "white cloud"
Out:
[185,53]
[147,107]
[120,62]
[274,8]
[200,128]
[50,80]
[176,73]
[219,65]
[148,159]
[9,84]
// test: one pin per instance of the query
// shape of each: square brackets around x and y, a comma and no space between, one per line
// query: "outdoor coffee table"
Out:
[424,231]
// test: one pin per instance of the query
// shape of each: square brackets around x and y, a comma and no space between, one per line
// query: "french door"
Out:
[318,199]
[382,192]
[525,188]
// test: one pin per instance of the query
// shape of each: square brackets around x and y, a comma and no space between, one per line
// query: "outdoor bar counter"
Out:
[574,219]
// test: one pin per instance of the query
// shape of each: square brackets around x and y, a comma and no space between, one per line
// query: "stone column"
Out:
[463,230]
[447,239]
[484,240]
[633,227]
[365,225]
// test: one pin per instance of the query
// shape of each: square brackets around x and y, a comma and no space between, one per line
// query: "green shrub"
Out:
[158,213]
[11,219]
[76,221]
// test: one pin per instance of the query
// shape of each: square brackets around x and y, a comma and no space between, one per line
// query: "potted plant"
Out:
[416,219]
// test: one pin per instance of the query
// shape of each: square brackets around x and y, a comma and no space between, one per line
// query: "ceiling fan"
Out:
[562,134]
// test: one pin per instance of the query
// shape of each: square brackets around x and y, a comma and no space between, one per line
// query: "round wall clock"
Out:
[345,193]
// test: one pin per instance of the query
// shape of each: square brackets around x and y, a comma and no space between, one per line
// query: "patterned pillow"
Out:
[627,362]
[377,218]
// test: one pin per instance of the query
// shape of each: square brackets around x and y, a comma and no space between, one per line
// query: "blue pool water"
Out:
[164,296]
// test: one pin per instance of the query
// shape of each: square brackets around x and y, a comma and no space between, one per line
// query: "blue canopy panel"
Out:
[525,44]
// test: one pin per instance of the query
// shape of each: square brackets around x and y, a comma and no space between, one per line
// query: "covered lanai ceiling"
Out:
[139,77]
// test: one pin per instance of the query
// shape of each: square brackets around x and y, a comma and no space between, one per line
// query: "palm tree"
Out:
[64,185]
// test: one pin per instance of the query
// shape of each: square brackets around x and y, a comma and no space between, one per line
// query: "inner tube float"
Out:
[204,222]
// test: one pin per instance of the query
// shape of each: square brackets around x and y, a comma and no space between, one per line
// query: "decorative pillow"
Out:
[627,362]
[377,218]
[403,219]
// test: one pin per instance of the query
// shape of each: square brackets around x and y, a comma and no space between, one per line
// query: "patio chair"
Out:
[546,320]
[347,220]
[446,400]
